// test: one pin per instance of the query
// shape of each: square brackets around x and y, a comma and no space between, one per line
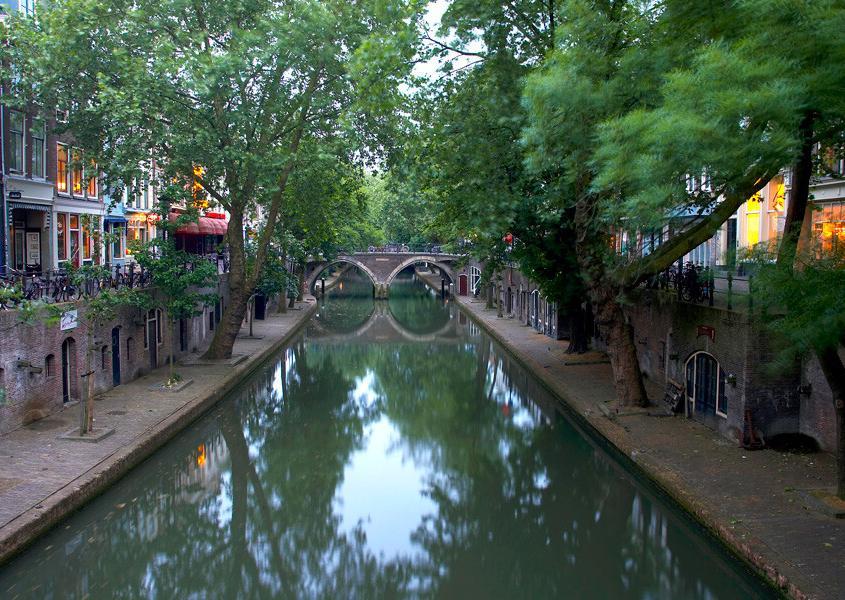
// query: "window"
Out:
[86,243]
[50,365]
[752,221]
[92,179]
[76,172]
[38,148]
[74,239]
[16,149]
[829,226]
[61,168]
[118,241]
[61,115]
[705,385]
[159,327]
[61,236]
[27,7]
[104,357]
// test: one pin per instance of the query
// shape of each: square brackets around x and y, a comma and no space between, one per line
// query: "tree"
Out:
[181,283]
[234,88]
[757,94]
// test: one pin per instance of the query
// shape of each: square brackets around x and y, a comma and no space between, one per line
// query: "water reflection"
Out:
[398,467]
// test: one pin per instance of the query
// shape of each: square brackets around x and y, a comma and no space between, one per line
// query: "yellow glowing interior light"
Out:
[780,196]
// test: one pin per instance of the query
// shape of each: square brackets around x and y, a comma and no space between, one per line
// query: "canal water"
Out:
[392,450]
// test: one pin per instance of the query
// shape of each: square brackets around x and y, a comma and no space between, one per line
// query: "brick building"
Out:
[42,364]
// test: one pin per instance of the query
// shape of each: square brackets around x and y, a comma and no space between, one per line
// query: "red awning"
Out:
[203,226]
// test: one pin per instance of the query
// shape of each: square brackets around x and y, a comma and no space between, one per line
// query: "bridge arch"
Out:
[421,258]
[320,267]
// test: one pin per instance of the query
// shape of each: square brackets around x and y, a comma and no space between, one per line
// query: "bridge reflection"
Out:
[413,314]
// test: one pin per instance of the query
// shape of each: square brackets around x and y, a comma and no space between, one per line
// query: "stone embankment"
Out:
[755,502]
[44,478]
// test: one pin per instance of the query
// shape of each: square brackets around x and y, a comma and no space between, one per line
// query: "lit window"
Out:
[76,172]
[92,179]
[61,168]
[61,236]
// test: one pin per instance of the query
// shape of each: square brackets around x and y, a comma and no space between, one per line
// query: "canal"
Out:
[391,450]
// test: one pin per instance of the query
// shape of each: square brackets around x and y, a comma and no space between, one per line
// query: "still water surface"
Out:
[392,450]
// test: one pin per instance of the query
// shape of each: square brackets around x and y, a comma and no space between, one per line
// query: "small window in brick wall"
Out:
[130,349]
[104,357]
[50,365]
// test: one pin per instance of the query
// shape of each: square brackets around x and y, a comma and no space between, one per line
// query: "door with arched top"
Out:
[705,385]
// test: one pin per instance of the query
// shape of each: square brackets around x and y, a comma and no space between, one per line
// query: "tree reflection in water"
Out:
[257,500]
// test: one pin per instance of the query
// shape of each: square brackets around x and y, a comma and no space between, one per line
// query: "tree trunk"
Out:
[233,315]
[627,377]
[577,330]
[499,295]
[301,286]
[283,297]
[799,195]
[172,350]
[834,373]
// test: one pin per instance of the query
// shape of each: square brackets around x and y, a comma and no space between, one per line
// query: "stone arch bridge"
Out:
[381,267]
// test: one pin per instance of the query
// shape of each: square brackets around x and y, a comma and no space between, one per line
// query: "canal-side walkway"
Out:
[44,478]
[751,500]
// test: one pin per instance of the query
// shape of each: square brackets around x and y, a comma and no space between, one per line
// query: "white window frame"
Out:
[67,177]
[18,150]
[38,131]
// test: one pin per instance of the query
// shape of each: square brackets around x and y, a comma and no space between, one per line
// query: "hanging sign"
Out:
[707,331]
[69,320]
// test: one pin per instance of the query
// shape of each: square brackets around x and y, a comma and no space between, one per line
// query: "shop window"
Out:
[16,145]
[705,385]
[61,236]
[61,168]
[39,147]
[829,227]
[50,365]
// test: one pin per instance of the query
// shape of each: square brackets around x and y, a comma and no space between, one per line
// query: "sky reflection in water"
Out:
[392,450]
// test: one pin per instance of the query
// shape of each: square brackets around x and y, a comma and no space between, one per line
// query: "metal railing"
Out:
[61,285]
